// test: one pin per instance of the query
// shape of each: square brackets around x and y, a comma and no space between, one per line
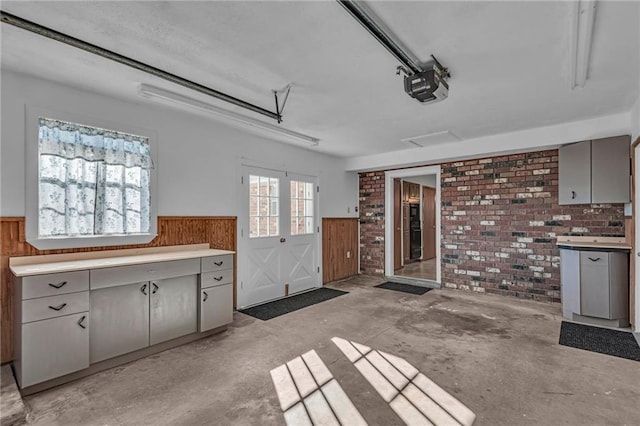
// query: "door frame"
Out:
[634,290]
[388,222]
[242,207]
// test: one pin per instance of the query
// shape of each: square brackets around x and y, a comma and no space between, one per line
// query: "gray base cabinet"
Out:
[174,308]
[120,318]
[72,321]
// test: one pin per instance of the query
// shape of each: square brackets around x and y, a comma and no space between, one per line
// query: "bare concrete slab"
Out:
[500,357]
[12,410]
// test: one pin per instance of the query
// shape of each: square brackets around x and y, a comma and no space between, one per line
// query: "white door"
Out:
[279,233]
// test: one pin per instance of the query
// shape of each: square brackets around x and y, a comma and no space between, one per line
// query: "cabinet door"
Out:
[574,174]
[594,284]
[54,347]
[174,308]
[216,307]
[120,320]
[610,170]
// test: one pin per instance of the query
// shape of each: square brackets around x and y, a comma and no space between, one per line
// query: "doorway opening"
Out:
[412,222]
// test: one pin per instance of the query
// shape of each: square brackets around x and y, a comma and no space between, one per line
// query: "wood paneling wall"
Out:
[339,237]
[219,232]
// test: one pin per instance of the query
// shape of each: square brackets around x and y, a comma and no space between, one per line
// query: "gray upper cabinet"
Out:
[574,174]
[595,171]
[610,170]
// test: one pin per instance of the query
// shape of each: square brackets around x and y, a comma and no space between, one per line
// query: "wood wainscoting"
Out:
[218,231]
[339,248]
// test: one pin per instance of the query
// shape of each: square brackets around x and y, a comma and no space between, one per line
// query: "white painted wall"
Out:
[198,157]
[522,141]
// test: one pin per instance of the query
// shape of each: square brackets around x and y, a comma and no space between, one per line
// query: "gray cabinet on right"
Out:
[596,171]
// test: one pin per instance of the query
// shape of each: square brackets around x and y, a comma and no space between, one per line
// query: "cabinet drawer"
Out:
[595,258]
[110,277]
[214,279]
[54,284]
[217,263]
[54,306]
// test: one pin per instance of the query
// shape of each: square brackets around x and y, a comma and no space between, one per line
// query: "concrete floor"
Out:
[498,356]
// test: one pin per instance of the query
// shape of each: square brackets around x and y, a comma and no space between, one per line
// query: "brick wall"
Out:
[372,222]
[500,217]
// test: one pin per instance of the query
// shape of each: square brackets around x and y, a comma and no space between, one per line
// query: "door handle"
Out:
[59,285]
[282,240]
[155,288]
[80,322]
[573,195]
[57,308]
[594,260]
[206,296]
[143,289]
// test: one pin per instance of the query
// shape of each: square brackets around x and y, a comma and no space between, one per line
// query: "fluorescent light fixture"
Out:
[583,20]
[152,92]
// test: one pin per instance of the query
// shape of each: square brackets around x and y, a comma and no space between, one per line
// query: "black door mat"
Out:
[293,303]
[405,288]
[602,340]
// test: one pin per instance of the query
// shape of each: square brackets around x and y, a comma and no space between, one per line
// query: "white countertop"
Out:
[29,265]
[594,242]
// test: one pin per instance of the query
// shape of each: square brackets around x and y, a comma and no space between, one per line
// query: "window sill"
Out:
[90,241]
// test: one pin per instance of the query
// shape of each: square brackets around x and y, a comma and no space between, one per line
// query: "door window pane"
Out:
[264,206]
[301,208]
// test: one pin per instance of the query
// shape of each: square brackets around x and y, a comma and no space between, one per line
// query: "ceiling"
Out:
[509,62]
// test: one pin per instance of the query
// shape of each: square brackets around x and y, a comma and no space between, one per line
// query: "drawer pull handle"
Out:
[573,195]
[143,289]
[155,288]
[59,285]
[80,322]
[206,296]
[57,308]
[218,278]
[594,260]
[218,263]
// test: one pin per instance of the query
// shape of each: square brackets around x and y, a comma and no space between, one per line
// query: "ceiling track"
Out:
[141,66]
[368,21]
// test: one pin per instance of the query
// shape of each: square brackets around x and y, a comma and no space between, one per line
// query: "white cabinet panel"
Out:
[53,348]
[216,307]
[174,308]
[121,320]
[109,277]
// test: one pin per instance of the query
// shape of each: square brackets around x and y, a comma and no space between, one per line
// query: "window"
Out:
[301,207]
[263,206]
[88,186]
[91,181]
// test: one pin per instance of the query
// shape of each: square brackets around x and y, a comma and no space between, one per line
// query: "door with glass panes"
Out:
[280,235]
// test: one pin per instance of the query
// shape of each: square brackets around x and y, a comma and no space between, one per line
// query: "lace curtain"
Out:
[92,181]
